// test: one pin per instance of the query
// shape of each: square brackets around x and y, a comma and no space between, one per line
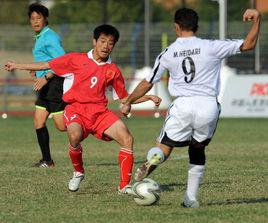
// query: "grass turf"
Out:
[234,188]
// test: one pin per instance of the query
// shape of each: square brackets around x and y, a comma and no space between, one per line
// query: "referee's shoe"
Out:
[44,164]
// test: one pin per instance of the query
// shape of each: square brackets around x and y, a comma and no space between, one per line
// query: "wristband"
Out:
[47,78]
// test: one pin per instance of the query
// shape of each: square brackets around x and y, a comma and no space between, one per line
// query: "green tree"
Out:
[82,11]
[13,11]
[114,11]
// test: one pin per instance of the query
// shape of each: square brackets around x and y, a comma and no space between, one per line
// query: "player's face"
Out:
[38,21]
[103,47]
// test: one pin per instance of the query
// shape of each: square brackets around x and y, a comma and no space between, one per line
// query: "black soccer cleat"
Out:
[44,164]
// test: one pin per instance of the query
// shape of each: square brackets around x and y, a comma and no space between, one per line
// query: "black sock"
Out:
[43,140]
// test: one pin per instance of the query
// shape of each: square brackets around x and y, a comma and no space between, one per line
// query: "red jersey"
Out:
[86,80]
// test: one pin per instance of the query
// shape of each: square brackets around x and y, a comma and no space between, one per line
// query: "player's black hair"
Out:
[107,30]
[187,19]
[38,8]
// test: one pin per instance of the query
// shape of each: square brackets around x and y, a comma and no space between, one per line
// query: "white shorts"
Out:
[190,117]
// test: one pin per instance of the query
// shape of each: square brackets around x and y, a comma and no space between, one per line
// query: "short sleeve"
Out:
[62,65]
[118,84]
[225,48]
[158,69]
[53,47]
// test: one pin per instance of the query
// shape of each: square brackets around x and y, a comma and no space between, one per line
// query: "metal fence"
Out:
[128,54]
[130,49]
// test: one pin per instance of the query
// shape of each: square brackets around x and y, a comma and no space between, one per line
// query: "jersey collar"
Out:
[188,37]
[44,30]
[90,56]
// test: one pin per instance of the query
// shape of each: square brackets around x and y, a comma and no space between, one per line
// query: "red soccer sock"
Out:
[125,160]
[76,158]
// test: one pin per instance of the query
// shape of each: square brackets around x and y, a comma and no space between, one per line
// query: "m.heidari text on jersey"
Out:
[187,53]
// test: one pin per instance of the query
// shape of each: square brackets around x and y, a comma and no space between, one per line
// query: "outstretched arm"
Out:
[10,66]
[252,36]
[32,67]
[155,99]
[142,88]
[137,96]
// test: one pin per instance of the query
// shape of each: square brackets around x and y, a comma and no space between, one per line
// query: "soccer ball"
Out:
[146,192]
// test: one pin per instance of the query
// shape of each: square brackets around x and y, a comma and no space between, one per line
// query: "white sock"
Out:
[195,174]
[158,155]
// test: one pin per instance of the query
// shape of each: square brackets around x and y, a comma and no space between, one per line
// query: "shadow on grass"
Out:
[171,186]
[239,201]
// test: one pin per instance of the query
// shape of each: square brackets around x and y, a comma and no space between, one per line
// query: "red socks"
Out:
[125,160]
[76,158]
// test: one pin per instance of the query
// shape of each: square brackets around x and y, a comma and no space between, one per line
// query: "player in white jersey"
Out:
[194,67]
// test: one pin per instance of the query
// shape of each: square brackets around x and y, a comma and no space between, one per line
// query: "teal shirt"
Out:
[47,46]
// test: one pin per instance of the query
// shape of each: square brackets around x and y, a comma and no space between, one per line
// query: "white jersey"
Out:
[193,65]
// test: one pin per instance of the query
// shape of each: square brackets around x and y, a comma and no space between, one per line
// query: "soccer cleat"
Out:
[38,163]
[146,168]
[44,164]
[144,171]
[187,203]
[74,183]
[126,190]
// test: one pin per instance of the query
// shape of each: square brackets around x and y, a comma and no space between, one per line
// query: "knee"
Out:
[59,123]
[128,141]
[61,128]
[38,123]
[74,138]
[197,153]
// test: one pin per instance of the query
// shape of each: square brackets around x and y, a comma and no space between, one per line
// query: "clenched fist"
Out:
[251,15]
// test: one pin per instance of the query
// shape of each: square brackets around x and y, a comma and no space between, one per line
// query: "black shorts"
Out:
[50,96]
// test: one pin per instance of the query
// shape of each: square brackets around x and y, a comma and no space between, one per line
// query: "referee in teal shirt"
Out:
[48,86]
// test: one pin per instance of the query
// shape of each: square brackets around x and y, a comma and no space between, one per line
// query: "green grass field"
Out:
[234,189]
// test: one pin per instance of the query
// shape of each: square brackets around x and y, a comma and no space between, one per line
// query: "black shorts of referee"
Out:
[50,96]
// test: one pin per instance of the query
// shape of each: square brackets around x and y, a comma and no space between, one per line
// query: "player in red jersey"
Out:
[87,77]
